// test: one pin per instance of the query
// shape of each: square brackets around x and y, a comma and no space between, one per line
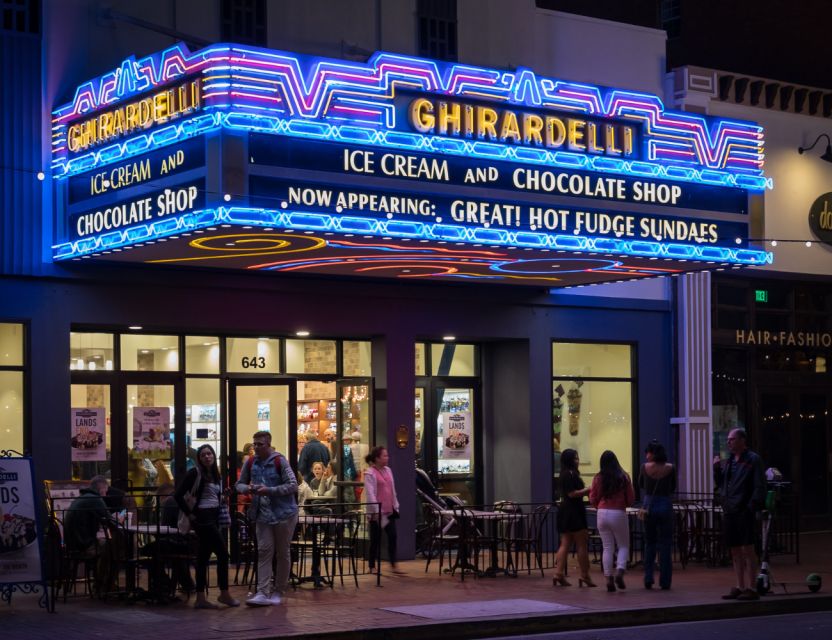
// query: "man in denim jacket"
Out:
[269,480]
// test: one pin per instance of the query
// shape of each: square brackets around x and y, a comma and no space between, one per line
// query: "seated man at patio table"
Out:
[82,521]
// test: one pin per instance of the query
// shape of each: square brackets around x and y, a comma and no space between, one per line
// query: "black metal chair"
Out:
[530,542]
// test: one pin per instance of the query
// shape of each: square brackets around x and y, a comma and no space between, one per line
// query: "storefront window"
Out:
[592,415]
[11,410]
[451,359]
[91,439]
[420,359]
[729,395]
[202,416]
[357,358]
[149,353]
[11,386]
[202,354]
[90,351]
[11,345]
[311,356]
[252,355]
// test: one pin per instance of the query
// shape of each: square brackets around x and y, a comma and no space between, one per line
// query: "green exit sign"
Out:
[761,295]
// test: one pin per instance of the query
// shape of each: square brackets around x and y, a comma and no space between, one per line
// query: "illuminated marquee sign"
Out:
[112,124]
[481,122]
[401,146]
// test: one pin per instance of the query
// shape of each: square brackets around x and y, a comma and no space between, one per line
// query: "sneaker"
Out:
[274,598]
[259,600]
[733,594]
[748,594]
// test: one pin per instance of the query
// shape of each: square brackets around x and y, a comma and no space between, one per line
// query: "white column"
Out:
[694,378]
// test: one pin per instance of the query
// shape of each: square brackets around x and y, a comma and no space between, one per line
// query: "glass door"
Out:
[91,438]
[260,405]
[813,421]
[448,448]
[795,438]
[153,437]
[354,435]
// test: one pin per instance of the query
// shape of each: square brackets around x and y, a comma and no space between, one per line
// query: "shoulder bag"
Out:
[644,510]
[183,523]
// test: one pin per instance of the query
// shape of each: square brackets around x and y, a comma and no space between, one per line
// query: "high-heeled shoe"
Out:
[586,582]
[619,579]
[610,584]
[560,580]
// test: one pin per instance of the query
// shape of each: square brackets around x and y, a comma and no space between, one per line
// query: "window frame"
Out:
[25,370]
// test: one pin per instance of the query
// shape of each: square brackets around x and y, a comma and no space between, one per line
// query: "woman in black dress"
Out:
[572,520]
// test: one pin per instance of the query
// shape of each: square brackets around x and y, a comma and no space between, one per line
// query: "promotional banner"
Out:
[89,434]
[457,435]
[19,549]
[151,433]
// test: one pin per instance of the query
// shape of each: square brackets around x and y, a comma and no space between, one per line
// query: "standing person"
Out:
[205,483]
[572,520]
[742,484]
[611,493]
[313,451]
[379,487]
[269,479]
[658,484]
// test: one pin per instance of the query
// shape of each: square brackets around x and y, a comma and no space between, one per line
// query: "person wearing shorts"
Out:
[742,484]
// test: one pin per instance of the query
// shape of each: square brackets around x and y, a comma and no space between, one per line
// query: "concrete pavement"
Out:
[444,606]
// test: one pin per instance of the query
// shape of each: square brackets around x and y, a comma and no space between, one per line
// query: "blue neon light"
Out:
[304,221]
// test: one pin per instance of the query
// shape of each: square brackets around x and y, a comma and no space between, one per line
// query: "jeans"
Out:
[614,529]
[375,538]
[210,541]
[274,541]
[658,535]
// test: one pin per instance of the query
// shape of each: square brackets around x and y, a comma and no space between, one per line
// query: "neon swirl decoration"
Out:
[282,93]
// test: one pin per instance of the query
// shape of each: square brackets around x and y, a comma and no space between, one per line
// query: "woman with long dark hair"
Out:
[611,493]
[380,494]
[205,483]
[658,484]
[572,525]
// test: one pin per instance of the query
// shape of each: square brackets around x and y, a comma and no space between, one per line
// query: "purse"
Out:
[644,510]
[183,522]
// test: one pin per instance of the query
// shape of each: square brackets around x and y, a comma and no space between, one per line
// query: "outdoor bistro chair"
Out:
[442,539]
[530,542]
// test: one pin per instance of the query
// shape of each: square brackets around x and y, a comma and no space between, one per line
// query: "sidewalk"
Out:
[478,607]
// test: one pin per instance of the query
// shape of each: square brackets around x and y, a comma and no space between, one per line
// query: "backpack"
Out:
[250,462]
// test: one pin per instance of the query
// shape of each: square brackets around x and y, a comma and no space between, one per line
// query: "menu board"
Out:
[19,548]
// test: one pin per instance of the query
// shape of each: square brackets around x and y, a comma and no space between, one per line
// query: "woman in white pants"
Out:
[611,493]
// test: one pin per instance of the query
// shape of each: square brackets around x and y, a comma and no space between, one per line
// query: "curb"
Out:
[496,627]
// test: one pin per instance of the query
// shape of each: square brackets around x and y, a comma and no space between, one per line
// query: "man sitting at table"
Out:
[85,516]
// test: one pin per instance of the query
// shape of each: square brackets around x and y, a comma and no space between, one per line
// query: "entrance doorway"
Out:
[448,434]
[794,437]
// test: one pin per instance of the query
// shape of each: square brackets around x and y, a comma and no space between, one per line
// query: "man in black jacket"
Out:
[84,518]
[742,485]
[313,451]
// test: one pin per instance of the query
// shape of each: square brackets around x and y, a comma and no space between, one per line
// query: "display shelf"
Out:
[318,413]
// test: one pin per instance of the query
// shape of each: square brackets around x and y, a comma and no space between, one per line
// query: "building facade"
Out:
[379,227]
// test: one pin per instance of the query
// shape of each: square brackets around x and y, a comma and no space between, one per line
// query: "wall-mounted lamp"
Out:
[827,155]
